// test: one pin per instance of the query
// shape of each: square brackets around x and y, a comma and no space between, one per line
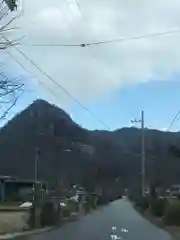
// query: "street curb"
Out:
[39,231]
[31,232]
[27,233]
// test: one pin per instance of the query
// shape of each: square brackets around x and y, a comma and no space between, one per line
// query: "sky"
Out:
[115,81]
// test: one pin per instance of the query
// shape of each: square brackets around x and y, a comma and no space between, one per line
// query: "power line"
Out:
[174,120]
[26,70]
[68,4]
[79,7]
[118,40]
[52,45]
[59,86]
[145,36]
[69,7]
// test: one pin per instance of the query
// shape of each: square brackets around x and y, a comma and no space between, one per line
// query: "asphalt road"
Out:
[118,220]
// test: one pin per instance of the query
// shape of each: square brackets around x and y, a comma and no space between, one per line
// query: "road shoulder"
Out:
[173,230]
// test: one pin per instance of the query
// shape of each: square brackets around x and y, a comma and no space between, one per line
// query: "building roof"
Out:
[24,181]
[5,178]
[176,186]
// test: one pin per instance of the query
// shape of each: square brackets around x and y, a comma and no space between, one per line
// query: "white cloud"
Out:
[92,71]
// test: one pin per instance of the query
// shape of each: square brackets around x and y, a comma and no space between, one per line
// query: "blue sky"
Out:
[160,101]
[128,75]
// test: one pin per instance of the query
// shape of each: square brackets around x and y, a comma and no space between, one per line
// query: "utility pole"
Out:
[142,152]
[36,165]
[36,189]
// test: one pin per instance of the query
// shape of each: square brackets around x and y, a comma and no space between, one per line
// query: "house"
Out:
[13,189]
[3,179]
[175,190]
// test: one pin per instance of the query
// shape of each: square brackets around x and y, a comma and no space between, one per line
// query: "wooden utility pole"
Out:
[36,164]
[142,152]
[36,189]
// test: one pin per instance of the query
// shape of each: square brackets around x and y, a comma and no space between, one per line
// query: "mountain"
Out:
[41,126]
[75,154]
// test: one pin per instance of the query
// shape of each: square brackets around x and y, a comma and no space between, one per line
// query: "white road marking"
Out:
[114,229]
[115,237]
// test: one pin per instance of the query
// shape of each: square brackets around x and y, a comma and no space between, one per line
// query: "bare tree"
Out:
[11,4]
[10,88]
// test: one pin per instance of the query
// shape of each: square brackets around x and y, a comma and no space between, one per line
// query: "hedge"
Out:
[172,213]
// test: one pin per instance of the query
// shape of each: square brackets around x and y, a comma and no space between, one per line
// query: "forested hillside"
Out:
[74,154]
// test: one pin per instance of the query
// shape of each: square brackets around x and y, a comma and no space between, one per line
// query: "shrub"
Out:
[94,201]
[66,212]
[158,207]
[31,219]
[103,200]
[142,203]
[72,206]
[178,196]
[87,207]
[172,213]
[49,214]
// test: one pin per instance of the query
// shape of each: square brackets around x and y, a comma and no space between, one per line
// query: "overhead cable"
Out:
[32,74]
[59,85]
[79,7]
[174,120]
[117,40]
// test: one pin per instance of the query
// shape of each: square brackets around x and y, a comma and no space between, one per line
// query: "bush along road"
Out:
[50,215]
[163,212]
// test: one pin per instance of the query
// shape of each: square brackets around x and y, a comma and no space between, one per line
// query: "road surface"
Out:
[118,220]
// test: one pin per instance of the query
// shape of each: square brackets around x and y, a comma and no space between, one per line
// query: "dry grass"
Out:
[13,222]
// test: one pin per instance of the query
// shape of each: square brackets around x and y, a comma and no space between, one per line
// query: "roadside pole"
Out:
[36,189]
[142,154]
[36,165]
[143,160]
